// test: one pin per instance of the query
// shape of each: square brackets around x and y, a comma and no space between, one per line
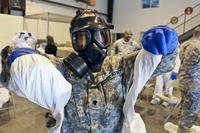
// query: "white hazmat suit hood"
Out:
[24,39]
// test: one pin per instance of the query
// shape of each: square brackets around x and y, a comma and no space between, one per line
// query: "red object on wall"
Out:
[188,10]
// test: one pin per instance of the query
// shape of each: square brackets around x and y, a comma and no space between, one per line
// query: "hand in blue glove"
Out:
[173,76]
[160,40]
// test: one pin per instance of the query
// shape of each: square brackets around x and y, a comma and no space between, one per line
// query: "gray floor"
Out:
[30,117]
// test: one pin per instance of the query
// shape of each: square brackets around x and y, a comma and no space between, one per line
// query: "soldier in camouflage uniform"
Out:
[100,84]
[99,91]
[124,45]
[190,82]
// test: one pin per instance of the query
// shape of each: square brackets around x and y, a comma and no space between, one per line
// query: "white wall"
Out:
[129,14]
[9,26]
[38,6]
[60,31]
[63,34]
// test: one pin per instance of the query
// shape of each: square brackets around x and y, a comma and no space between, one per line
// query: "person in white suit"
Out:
[164,86]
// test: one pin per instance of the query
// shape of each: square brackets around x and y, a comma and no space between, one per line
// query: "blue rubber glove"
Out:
[160,40]
[173,76]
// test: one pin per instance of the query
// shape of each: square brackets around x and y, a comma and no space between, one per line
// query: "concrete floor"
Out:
[30,117]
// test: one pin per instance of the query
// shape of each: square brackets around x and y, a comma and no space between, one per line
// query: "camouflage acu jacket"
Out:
[189,73]
[96,105]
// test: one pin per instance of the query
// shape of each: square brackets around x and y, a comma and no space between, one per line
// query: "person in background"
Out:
[163,86]
[189,78]
[125,45]
[24,39]
[50,48]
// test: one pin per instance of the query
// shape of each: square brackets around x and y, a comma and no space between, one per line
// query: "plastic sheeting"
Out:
[145,65]
[138,125]
[34,77]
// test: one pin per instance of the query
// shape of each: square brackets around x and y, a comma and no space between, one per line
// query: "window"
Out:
[20,4]
[150,3]
[84,1]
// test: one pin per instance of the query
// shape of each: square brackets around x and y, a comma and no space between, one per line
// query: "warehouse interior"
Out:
[22,112]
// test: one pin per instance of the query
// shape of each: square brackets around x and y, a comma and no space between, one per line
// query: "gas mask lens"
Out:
[102,37]
[80,40]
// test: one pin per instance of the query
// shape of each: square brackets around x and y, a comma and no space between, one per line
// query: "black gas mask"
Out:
[91,37]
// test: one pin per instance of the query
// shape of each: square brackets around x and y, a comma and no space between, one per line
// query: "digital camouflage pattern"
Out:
[189,76]
[96,105]
[97,99]
[122,47]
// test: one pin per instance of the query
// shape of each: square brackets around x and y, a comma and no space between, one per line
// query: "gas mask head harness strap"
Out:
[90,36]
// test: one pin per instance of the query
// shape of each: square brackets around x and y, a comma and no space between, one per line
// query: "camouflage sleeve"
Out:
[136,45]
[189,73]
[5,65]
[190,53]
[189,83]
[128,62]
[178,63]
[117,47]
[113,49]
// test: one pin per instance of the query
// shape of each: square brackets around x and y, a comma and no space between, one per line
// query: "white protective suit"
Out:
[142,73]
[157,43]
[165,82]
[34,77]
